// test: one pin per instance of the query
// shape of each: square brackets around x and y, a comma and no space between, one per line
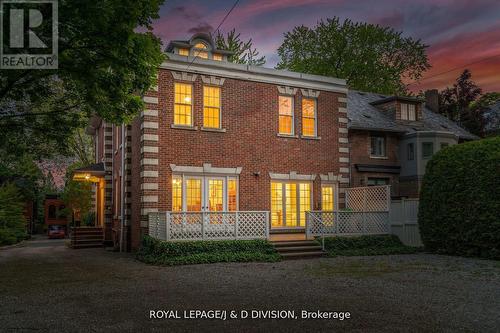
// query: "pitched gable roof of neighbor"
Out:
[492,118]
[364,115]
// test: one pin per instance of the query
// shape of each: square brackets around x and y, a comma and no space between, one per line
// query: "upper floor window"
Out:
[286,115]
[201,50]
[427,149]
[411,151]
[184,52]
[211,107]
[408,112]
[377,146]
[200,46]
[308,117]
[183,104]
[217,57]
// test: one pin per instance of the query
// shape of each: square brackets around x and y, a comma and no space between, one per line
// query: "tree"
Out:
[12,221]
[243,52]
[370,57]
[105,62]
[455,103]
[77,196]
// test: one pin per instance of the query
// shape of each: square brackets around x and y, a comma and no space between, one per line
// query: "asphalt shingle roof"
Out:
[363,115]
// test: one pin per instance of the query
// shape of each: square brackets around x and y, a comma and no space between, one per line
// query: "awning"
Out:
[378,168]
[92,173]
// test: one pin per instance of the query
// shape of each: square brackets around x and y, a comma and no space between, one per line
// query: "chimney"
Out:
[432,100]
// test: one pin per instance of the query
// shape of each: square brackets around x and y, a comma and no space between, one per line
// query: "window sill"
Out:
[183,127]
[289,136]
[310,137]
[210,129]
[379,157]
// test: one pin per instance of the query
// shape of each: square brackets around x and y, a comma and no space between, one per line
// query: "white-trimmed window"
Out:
[183,104]
[408,112]
[377,146]
[286,123]
[211,107]
[327,197]
[201,50]
[193,193]
[309,117]
[184,52]
[217,56]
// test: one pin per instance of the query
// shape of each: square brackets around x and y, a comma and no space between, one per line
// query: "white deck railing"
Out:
[172,226]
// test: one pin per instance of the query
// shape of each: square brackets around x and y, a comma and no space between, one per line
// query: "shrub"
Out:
[366,245]
[459,209]
[158,252]
[12,221]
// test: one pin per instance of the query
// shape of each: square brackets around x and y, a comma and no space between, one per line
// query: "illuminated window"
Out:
[184,52]
[200,46]
[327,197]
[211,107]
[215,195]
[291,204]
[193,195]
[276,204]
[183,104]
[305,202]
[201,54]
[286,115]
[217,57]
[176,194]
[232,195]
[308,117]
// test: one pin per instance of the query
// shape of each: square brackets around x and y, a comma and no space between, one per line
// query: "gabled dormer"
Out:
[200,45]
[405,109]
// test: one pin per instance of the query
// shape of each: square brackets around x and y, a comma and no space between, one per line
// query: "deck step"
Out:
[299,249]
[302,255]
[294,243]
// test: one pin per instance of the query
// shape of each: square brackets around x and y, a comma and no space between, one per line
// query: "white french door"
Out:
[289,203]
[204,193]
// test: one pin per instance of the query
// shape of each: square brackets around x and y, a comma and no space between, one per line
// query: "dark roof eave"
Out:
[376,129]
[397,98]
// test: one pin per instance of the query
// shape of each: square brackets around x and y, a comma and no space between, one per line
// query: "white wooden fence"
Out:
[404,221]
[366,213]
[172,226]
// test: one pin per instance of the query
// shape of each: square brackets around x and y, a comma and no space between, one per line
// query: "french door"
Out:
[289,203]
[204,193]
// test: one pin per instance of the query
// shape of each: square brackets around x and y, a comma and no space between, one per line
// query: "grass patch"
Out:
[158,252]
[366,246]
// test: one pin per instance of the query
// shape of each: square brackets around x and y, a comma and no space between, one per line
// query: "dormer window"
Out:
[201,50]
[408,112]
[217,57]
[200,46]
[184,52]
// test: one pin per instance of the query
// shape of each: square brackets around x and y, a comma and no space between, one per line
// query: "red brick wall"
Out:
[360,154]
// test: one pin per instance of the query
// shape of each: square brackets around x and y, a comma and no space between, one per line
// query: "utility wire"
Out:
[451,70]
[218,27]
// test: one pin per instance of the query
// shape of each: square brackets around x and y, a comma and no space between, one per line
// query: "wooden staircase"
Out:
[299,249]
[86,237]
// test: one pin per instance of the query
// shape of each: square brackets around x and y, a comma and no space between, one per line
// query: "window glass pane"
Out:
[200,46]
[305,202]
[193,195]
[285,115]
[404,111]
[377,146]
[201,54]
[276,204]
[308,117]
[411,112]
[232,195]
[327,198]
[211,106]
[427,149]
[215,195]
[217,57]
[184,52]
[176,194]
[411,151]
[182,104]
[291,204]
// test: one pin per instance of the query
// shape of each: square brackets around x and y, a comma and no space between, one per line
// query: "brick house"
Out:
[218,136]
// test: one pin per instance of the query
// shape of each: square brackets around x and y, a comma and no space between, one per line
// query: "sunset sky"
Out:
[458,32]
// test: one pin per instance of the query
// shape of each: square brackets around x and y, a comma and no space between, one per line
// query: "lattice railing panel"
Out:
[209,225]
[368,199]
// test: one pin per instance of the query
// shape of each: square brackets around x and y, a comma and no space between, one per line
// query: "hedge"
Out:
[158,252]
[12,220]
[366,246]
[459,209]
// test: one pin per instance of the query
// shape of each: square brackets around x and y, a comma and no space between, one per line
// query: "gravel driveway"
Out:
[47,287]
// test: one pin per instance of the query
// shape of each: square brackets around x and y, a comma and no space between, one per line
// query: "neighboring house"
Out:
[219,136]
[53,211]
[392,138]
[491,115]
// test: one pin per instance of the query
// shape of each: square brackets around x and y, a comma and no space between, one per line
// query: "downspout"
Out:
[122,188]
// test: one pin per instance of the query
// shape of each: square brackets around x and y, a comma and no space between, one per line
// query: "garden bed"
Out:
[158,252]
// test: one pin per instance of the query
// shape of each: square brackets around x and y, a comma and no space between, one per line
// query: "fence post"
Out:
[203,225]
[389,223]
[267,224]
[167,226]
[236,221]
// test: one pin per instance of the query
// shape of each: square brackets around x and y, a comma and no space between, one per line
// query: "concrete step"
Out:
[294,243]
[302,255]
[299,249]
[86,246]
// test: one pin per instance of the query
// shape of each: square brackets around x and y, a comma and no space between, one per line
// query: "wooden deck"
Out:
[285,237]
